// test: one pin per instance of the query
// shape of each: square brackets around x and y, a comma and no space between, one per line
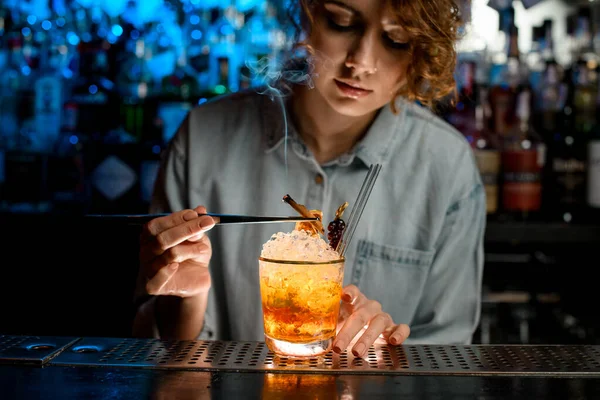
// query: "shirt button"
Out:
[319,179]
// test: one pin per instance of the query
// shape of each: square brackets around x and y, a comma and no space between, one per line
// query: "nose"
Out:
[362,56]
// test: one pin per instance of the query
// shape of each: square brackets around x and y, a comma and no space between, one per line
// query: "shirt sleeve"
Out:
[449,311]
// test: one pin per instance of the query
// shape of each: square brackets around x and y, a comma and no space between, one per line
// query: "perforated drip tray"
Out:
[381,359]
[31,349]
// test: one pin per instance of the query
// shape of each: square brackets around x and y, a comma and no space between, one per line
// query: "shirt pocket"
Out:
[393,276]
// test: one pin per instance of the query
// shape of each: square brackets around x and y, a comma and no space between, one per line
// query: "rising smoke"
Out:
[279,77]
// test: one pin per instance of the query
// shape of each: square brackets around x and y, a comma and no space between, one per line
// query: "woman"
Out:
[415,264]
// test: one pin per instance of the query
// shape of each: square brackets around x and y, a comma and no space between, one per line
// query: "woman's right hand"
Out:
[175,252]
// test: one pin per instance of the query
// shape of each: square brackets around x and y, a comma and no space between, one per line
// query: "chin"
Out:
[351,107]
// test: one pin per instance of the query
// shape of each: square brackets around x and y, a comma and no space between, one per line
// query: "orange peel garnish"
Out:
[314,227]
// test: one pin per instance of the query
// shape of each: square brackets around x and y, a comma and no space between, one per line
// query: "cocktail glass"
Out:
[300,303]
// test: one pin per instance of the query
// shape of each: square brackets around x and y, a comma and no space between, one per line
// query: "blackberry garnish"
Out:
[336,227]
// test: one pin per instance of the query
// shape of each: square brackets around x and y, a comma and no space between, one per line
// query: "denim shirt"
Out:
[418,247]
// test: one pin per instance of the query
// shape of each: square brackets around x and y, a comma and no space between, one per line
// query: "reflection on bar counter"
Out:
[91,92]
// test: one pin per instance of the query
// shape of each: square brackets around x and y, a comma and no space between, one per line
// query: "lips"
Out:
[352,90]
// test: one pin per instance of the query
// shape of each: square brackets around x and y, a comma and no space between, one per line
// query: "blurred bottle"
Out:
[94,101]
[564,177]
[593,177]
[226,51]
[48,103]
[584,97]
[507,78]
[197,46]
[523,158]
[487,152]
[593,165]
[137,90]
[263,38]
[181,85]
[462,115]
[12,80]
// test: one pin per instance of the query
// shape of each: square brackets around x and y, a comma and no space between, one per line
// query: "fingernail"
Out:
[190,215]
[393,340]
[338,347]
[173,266]
[358,350]
[207,222]
[347,298]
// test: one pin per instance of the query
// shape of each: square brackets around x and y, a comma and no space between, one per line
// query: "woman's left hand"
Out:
[363,322]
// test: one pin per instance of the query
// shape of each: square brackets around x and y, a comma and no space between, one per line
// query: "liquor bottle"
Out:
[462,115]
[48,104]
[593,166]
[181,85]
[264,39]
[523,158]
[12,81]
[535,60]
[540,60]
[94,100]
[137,90]
[584,98]
[487,153]
[226,52]
[506,79]
[565,176]
[593,171]
[552,99]
[198,46]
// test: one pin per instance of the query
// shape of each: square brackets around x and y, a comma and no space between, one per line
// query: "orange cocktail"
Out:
[301,301]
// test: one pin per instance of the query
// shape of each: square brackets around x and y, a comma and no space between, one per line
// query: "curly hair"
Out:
[433,30]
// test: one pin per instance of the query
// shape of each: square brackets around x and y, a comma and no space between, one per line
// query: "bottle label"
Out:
[48,108]
[522,186]
[594,173]
[488,162]
[113,178]
[569,180]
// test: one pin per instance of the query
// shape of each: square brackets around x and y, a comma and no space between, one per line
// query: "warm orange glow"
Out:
[301,302]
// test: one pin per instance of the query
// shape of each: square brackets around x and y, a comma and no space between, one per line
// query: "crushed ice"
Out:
[298,246]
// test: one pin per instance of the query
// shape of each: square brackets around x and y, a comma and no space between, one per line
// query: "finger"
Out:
[199,210]
[196,237]
[399,334]
[355,323]
[377,325]
[351,294]
[155,285]
[160,224]
[199,251]
[180,233]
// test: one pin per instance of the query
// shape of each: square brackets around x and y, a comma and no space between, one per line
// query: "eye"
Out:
[338,25]
[394,43]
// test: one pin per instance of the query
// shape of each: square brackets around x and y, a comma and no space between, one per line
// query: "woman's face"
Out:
[360,55]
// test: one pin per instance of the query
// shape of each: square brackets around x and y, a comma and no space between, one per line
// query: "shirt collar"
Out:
[374,148]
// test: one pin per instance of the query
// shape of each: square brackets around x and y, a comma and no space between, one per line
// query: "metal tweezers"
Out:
[141,219]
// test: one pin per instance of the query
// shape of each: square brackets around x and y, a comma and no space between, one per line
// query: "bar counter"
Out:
[33,367]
